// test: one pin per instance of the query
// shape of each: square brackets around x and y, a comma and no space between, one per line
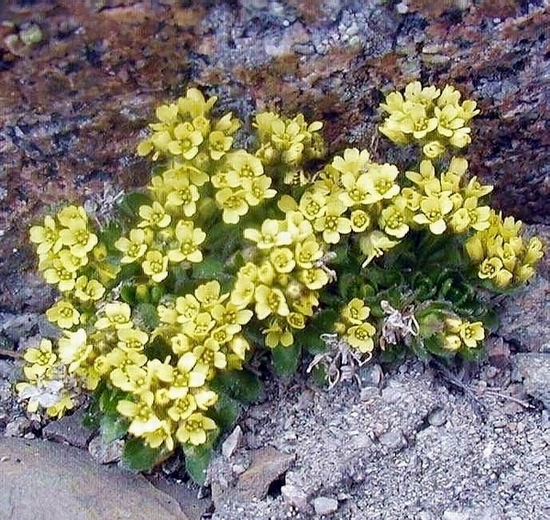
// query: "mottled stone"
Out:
[48,480]
[534,370]
[70,430]
[268,465]
[325,506]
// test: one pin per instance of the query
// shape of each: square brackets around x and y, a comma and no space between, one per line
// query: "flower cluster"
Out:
[184,131]
[284,281]
[433,117]
[354,327]
[459,334]
[288,142]
[501,254]
[229,251]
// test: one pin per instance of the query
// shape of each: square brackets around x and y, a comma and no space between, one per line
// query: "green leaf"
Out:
[242,385]
[225,412]
[286,359]
[137,456]
[197,459]
[109,399]
[112,427]
[209,269]
[130,204]
[145,314]
[128,294]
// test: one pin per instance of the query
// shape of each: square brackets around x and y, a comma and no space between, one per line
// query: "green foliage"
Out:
[232,254]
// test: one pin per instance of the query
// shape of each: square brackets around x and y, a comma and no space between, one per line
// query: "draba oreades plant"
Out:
[167,300]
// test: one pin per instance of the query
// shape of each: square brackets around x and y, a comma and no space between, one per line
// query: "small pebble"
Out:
[325,505]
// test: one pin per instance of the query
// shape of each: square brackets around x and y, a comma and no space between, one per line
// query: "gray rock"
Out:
[534,369]
[232,442]
[525,318]
[295,497]
[268,465]
[393,439]
[70,430]
[325,506]
[17,427]
[105,452]
[44,480]
[437,417]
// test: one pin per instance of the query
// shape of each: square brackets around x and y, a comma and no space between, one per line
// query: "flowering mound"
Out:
[231,253]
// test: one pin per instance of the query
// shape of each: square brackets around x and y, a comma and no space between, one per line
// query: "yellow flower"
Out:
[46,237]
[193,430]
[353,162]
[41,359]
[144,420]
[162,435]
[475,249]
[131,378]
[452,342]
[155,266]
[231,315]
[270,301]
[333,224]
[73,217]
[360,337]
[64,314]
[356,312]
[393,219]
[271,235]
[117,315]
[189,239]
[208,294]
[188,374]
[154,216]
[448,120]
[433,213]
[133,247]
[307,253]
[534,251]
[210,355]
[183,194]
[242,292]
[282,259]
[239,346]
[382,178]
[374,245]
[194,104]
[258,189]
[418,123]
[187,141]
[182,408]
[62,274]
[86,290]
[74,349]
[78,238]
[131,339]
[218,144]
[199,327]
[277,335]
[187,307]
[314,279]
[472,333]
[360,220]
[233,203]
[427,174]
[423,95]
[433,149]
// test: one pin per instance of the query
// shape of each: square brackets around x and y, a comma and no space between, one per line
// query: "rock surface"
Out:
[43,481]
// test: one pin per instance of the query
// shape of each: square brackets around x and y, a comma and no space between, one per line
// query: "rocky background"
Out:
[79,81]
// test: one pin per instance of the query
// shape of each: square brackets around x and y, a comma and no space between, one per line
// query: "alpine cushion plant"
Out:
[231,253]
